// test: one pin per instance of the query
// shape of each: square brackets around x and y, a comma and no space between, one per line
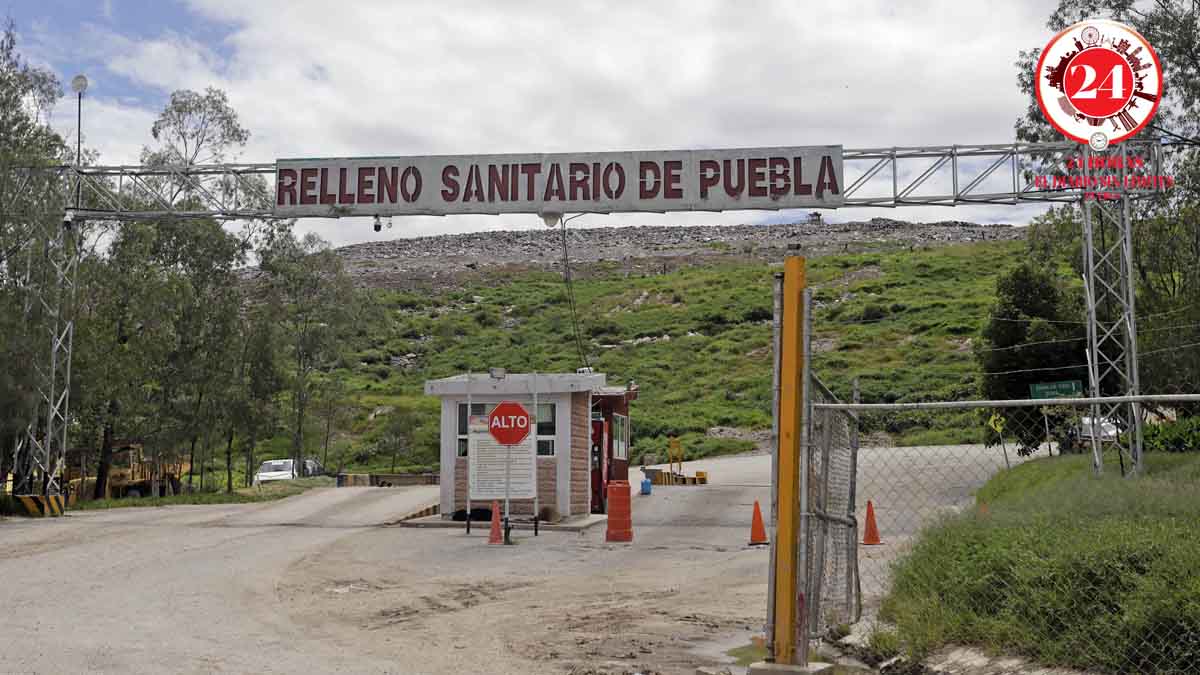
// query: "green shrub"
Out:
[1178,436]
[873,312]
[372,356]
[1064,568]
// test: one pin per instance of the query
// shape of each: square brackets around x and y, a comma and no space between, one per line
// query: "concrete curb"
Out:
[423,512]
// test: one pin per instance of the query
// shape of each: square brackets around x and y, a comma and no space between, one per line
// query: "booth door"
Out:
[599,466]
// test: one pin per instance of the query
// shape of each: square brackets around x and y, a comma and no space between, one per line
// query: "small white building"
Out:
[574,435]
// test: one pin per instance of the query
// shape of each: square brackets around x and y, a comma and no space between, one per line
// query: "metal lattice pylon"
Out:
[39,455]
[1112,323]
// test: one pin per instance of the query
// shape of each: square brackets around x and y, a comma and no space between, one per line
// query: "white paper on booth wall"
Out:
[489,461]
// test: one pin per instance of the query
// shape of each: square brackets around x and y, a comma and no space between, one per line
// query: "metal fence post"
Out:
[853,581]
[777,321]
[468,453]
[804,579]
[793,372]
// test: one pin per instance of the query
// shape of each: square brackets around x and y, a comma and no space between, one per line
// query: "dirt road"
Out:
[315,584]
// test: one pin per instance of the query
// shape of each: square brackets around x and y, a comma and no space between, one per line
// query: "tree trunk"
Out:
[229,462]
[155,473]
[250,457]
[206,457]
[102,469]
[298,433]
[328,431]
[192,460]
[6,459]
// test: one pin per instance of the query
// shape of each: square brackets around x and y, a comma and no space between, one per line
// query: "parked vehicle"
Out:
[1105,429]
[134,473]
[284,469]
[275,469]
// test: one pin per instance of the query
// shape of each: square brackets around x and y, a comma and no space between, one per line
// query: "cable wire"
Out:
[1077,339]
[571,292]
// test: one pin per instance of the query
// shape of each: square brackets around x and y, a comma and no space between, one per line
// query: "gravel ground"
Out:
[314,583]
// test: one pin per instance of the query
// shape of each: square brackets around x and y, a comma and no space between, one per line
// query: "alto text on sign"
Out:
[509,423]
[604,182]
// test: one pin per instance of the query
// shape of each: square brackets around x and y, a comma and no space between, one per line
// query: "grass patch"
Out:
[697,340]
[754,652]
[1063,568]
[751,653]
[266,493]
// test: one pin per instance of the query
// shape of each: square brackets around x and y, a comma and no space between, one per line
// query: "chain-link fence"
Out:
[1061,530]
[835,593]
[1018,527]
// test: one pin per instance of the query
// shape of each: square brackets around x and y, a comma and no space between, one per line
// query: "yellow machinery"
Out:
[132,474]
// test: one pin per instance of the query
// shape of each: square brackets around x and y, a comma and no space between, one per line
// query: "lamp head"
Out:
[550,217]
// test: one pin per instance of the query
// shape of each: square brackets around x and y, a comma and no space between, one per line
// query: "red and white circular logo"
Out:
[1099,82]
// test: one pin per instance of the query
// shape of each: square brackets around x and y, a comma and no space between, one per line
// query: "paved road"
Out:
[910,487]
[176,589]
[314,584]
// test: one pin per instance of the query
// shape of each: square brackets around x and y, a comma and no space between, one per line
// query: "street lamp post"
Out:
[79,84]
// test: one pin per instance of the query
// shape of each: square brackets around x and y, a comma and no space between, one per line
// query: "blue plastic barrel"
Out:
[645,486]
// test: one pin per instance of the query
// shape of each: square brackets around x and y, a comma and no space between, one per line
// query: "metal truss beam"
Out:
[942,175]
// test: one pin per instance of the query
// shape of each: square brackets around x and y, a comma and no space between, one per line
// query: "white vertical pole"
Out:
[536,465]
[507,478]
[775,352]
[468,450]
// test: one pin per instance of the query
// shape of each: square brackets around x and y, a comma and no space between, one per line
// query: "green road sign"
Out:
[1064,389]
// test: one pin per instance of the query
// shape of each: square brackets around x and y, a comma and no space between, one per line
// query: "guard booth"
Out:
[582,437]
[610,440]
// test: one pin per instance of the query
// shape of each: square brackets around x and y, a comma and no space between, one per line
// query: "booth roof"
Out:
[514,383]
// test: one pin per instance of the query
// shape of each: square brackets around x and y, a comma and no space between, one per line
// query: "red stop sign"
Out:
[509,423]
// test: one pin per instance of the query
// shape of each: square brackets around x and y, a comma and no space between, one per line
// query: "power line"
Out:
[1034,370]
[1077,339]
[571,294]
[1169,349]
[1185,139]
[1084,365]
[1064,321]
[858,322]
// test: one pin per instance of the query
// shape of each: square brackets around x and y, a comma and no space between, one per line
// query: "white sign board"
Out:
[489,464]
[592,182]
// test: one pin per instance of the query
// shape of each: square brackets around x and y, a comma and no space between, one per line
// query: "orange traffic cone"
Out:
[758,533]
[495,537]
[871,534]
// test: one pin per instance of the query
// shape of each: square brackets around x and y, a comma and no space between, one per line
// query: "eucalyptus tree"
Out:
[312,301]
[30,210]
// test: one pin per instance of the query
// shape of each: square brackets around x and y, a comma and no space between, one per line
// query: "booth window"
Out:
[620,437]
[476,409]
[546,429]
[547,426]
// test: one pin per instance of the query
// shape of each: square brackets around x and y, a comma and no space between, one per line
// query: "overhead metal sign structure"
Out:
[941,175]
[696,180]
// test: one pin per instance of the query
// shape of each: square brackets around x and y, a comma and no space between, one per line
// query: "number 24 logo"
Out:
[1115,76]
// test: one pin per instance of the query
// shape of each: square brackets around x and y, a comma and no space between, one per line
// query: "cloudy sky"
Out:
[318,78]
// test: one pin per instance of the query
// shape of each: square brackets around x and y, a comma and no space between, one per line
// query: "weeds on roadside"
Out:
[1064,568]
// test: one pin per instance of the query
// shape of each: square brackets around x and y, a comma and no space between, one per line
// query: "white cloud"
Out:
[373,78]
[116,130]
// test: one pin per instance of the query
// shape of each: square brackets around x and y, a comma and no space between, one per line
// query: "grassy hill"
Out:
[696,340]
